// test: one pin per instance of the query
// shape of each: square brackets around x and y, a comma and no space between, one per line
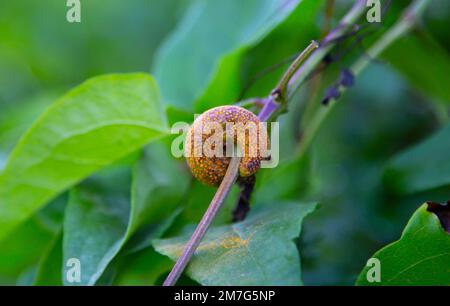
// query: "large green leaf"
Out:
[93,125]
[424,166]
[188,61]
[420,257]
[96,222]
[257,251]
[103,212]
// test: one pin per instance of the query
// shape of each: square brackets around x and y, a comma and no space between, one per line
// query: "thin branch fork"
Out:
[280,90]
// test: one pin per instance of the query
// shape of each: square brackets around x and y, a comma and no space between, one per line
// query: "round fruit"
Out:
[212,136]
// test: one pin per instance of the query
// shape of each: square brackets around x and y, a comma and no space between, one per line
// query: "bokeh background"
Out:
[398,101]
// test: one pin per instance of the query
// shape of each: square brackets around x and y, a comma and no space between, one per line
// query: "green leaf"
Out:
[420,257]
[423,62]
[422,167]
[193,55]
[96,223]
[15,257]
[285,182]
[103,212]
[93,125]
[37,234]
[257,251]
[27,277]
[159,183]
[196,202]
[49,270]
[143,268]
[143,238]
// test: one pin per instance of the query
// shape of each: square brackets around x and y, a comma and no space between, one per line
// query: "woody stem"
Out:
[202,227]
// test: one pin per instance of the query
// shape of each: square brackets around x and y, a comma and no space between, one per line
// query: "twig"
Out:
[247,185]
[251,102]
[258,75]
[325,46]
[403,26]
[280,90]
[315,84]
[208,217]
[278,97]
[329,8]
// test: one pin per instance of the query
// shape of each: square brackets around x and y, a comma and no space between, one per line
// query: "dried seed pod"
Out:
[212,136]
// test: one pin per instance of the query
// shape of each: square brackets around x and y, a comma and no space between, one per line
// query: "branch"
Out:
[403,26]
[280,91]
[325,46]
[278,95]
[208,217]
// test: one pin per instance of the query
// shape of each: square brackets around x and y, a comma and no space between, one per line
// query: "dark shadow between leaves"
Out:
[442,211]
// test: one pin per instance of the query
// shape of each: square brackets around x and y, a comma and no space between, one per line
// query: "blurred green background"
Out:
[398,101]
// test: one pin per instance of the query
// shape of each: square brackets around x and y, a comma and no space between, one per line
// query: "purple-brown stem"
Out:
[202,227]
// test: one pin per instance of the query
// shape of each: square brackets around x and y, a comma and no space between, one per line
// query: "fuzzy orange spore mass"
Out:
[210,169]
